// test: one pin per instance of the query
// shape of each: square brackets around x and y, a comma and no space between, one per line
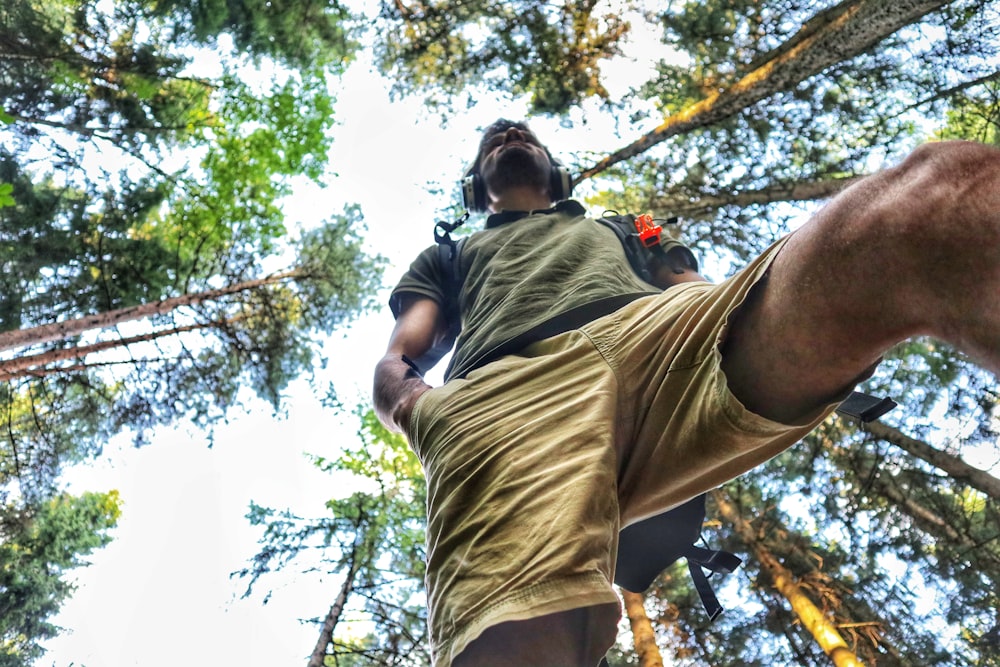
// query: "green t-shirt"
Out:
[522,272]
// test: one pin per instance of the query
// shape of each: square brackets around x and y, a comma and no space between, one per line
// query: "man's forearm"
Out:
[397,388]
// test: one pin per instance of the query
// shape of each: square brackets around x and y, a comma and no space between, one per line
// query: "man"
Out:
[537,457]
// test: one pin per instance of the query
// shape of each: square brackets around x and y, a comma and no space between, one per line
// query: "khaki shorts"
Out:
[535,462]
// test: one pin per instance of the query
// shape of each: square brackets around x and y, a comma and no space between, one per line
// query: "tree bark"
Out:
[59,330]
[34,365]
[801,191]
[333,617]
[846,30]
[927,519]
[823,631]
[952,465]
[643,635]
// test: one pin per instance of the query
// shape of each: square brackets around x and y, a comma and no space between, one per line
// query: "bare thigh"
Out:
[912,250]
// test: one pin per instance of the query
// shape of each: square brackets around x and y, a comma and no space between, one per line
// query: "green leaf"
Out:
[6,189]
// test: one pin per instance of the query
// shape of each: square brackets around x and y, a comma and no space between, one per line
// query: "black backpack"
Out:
[648,547]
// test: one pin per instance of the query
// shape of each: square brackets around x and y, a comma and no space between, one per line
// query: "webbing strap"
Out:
[705,592]
[715,560]
[567,321]
[700,559]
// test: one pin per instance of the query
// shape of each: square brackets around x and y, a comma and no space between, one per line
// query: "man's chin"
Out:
[516,167]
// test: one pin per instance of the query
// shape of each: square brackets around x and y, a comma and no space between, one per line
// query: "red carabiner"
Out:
[649,233]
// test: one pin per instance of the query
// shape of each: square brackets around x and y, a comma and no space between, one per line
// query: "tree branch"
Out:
[28,365]
[952,465]
[60,330]
[853,28]
[781,192]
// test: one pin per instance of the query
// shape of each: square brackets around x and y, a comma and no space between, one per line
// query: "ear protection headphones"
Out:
[474,190]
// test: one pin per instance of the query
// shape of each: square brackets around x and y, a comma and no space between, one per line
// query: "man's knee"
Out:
[935,211]
[950,182]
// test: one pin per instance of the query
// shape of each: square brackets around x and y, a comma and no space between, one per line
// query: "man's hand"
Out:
[397,388]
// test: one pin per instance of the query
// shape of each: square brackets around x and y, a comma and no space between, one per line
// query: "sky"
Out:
[161,593]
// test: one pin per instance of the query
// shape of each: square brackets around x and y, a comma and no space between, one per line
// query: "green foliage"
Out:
[339,277]
[72,67]
[233,203]
[551,52]
[67,251]
[40,544]
[273,338]
[975,115]
[48,426]
[373,539]
[80,241]
[130,174]
[299,33]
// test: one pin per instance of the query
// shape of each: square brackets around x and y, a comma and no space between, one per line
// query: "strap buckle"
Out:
[649,232]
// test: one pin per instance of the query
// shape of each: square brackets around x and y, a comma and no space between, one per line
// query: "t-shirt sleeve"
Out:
[423,278]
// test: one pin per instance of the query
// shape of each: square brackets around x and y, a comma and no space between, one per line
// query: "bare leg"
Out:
[912,251]
[575,638]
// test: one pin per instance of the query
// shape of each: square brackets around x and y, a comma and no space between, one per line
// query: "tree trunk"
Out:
[812,617]
[34,365]
[60,330]
[801,191]
[926,518]
[838,34]
[642,630]
[952,465]
[333,617]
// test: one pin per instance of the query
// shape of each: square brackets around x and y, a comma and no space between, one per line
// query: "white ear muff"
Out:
[472,196]
[561,186]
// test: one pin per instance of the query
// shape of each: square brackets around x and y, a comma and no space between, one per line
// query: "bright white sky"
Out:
[160,594]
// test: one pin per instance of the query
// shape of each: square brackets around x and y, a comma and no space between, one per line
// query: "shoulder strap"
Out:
[624,227]
[448,253]
[700,559]
[643,246]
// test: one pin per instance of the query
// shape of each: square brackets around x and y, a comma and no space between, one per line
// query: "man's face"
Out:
[513,157]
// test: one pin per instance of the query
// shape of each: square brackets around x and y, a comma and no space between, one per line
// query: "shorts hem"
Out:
[566,593]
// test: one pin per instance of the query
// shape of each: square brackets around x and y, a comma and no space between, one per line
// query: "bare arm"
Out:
[672,269]
[419,327]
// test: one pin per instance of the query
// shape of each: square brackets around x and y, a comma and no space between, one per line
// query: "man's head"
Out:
[513,163]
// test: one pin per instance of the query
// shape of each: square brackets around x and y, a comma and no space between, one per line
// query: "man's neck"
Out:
[521,199]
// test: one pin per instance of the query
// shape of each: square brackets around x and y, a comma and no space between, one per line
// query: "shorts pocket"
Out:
[413,428]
